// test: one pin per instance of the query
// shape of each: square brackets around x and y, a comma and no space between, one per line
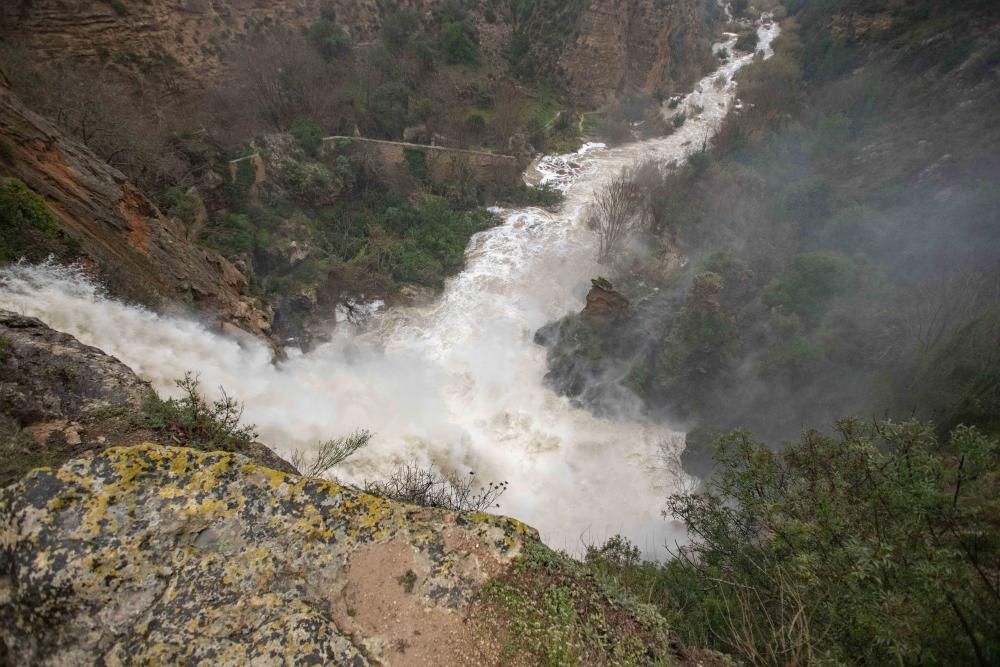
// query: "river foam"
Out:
[459,383]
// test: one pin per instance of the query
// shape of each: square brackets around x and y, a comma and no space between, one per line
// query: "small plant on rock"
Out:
[431,488]
[330,453]
[195,421]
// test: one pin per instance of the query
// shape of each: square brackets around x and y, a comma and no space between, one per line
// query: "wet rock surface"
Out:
[47,375]
[159,555]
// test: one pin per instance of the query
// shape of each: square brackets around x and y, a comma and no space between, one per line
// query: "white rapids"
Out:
[457,383]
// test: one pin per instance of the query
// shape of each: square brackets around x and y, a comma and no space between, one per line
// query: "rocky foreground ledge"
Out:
[167,555]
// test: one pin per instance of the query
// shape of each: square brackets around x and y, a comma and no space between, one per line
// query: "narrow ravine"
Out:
[458,383]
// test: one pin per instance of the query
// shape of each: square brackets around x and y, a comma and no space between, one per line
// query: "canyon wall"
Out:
[638,46]
[598,47]
[137,251]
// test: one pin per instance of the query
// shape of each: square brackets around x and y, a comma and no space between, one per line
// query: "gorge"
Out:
[500,332]
[458,383]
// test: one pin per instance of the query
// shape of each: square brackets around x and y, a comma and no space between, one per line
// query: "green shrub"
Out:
[329,39]
[181,205]
[27,228]
[416,162]
[329,453]
[389,109]
[873,547]
[814,279]
[747,41]
[194,421]
[309,181]
[308,134]
[399,27]
[458,46]
[231,234]
[475,121]
[119,7]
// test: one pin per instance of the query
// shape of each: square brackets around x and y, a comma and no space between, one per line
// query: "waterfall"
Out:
[458,383]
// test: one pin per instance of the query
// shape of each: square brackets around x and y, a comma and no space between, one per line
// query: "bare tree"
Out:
[279,79]
[946,303]
[104,108]
[617,211]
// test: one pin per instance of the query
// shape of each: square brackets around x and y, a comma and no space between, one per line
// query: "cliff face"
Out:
[646,46]
[138,252]
[604,47]
[179,37]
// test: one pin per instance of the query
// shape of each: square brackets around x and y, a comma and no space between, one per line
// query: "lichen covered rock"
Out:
[160,555]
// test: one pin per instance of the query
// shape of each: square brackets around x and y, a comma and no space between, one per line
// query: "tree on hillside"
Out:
[280,80]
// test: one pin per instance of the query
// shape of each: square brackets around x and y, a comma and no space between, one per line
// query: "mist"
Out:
[842,260]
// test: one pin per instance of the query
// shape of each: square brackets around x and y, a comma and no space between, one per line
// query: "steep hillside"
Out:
[839,240]
[117,232]
[199,83]
[647,47]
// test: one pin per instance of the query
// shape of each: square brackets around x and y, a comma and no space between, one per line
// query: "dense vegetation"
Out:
[841,238]
[875,547]
[28,230]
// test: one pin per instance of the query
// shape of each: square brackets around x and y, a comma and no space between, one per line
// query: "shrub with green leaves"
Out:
[311,181]
[231,234]
[194,421]
[329,39]
[813,280]
[475,121]
[27,228]
[459,49]
[874,547]
[308,134]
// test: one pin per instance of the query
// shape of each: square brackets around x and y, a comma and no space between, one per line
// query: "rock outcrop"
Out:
[58,397]
[604,303]
[50,376]
[61,399]
[643,46]
[159,555]
[138,252]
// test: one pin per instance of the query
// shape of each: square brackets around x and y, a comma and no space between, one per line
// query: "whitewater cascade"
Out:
[458,383]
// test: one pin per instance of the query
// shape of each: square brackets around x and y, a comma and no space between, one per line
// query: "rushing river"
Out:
[458,383]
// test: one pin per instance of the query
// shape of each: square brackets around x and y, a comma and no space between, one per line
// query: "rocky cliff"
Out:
[61,399]
[640,46]
[138,252]
[170,37]
[596,47]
